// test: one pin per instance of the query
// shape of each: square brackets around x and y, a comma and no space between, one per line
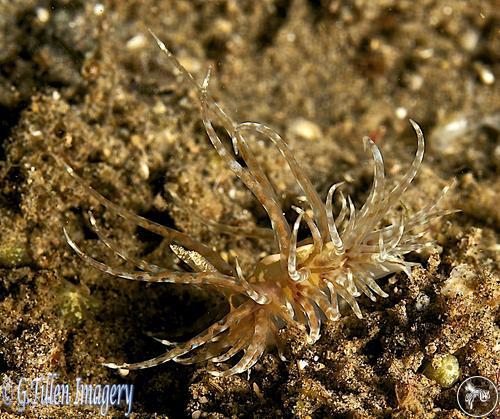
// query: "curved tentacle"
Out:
[258,297]
[398,190]
[254,351]
[351,225]
[169,233]
[215,279]
[321,300]
[377,190]
[186,74]
[294,274]
[342,214]
[239,344]
[204,337]
[255,232]
[332,228]
[335,288]
[313,320]
[371,212]
[303,181]
[209,107]
[211,349]
[140,263]
[316,235]
[273,209]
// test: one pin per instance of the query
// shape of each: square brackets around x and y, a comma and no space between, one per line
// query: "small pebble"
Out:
[136,42]
[159,108]
[422,302]
[460,282]
[401,112]
[302,364]
[469,40]
[144,170]
[257,391]
[416,82]
[485,74]
[42,15]
[223,26]
[445,370]
[191,64]
[98,9]
[305,129]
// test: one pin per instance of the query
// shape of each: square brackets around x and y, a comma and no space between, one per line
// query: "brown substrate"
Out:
[95,87]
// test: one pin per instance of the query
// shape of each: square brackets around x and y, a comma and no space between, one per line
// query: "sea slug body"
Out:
[303,282]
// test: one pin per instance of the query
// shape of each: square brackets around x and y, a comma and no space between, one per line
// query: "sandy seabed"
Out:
[87,80]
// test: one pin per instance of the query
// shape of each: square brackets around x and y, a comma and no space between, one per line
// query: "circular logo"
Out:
[477,396]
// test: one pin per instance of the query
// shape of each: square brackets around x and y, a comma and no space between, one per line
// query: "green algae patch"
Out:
[444,370]
[75,303]
[13,255]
